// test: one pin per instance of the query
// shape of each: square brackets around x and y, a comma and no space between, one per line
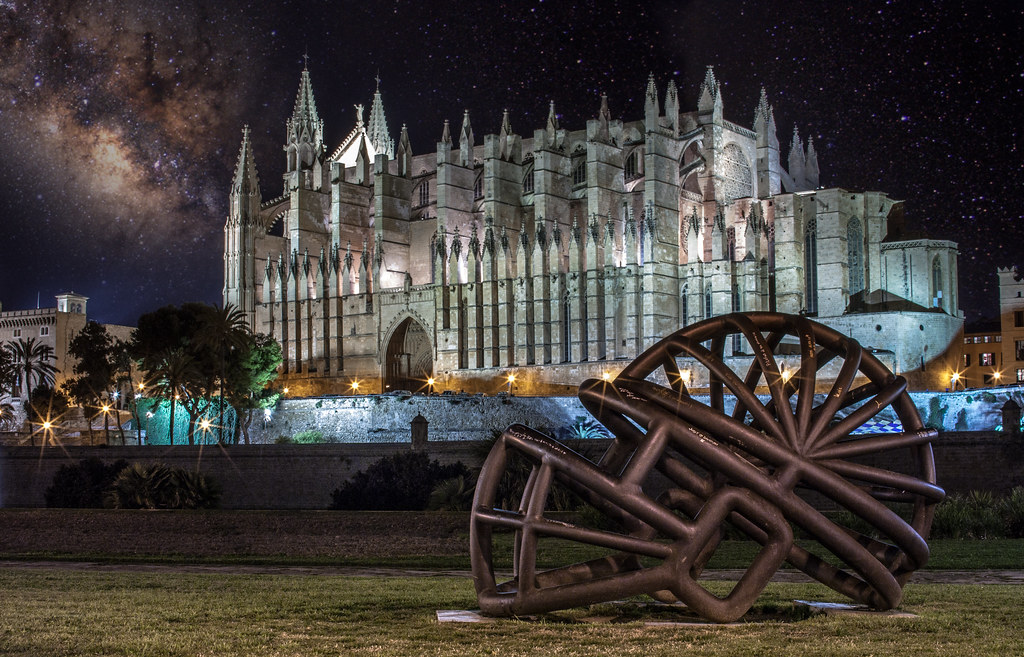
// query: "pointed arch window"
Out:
[528,180]
[937,286]
[632,167]
[707,302]
[478,188]
[424,192]
[579,173]
[855,255]
[811,266]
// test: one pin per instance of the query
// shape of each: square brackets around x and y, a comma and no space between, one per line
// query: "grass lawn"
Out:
[56,613]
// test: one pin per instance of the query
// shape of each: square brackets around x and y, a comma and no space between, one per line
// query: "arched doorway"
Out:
[408,361]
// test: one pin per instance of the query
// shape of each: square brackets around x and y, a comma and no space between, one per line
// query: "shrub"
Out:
[1012,511]
[976,515]
[84,484]
[159,486]
[308,437]
[402,482]
[454,494]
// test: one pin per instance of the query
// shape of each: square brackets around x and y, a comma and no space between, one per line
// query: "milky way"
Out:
[120,121]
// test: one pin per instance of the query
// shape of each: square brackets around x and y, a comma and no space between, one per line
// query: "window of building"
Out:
[999,338]
[937,286]
[1018,318]
[811,266]
[855,255]
[1020,376]
[707,302]
[478,188]
[967,360]
[987,338]
[632,170]
[424,192]
[1018,349]
[579,174]
[17,333]
[977,339]
[967,341]
[987,359]
[44,330]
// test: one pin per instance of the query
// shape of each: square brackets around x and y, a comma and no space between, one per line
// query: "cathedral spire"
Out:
[246,181]
[504,135]
[305,124]
[404,153]
[811,164]
[651,109]
[378,127]
[796,161]
[466,141]
[446,134]
[552,126]
[604,117]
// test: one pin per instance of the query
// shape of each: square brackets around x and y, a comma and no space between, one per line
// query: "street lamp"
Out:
[430,386]
[354,385]
[511,379]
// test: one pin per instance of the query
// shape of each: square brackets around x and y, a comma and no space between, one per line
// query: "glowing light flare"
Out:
[606,376]
[354,386]
[205,425]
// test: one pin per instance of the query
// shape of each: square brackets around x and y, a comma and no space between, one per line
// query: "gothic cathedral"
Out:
[564,254]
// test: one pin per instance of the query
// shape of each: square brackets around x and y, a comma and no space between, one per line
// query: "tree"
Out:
[8,373]
[222,330]
[250,375]
[93,349]
[31,363]
[173,374]
[47,407]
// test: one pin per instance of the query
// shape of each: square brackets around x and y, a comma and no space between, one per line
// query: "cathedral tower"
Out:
[240,232]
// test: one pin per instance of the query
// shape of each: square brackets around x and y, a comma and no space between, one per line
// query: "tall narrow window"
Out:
[579,174]
[424,192]
[937,286]
[707,302]
[478,188]
[811,266]
[631,169]
[855,255]
[528,180]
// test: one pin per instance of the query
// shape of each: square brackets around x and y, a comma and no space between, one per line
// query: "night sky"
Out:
[120,122]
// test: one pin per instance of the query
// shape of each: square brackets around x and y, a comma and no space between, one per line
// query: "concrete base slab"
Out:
[475,616]
[844,608]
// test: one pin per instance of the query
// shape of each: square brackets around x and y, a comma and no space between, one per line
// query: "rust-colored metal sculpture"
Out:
[763,468]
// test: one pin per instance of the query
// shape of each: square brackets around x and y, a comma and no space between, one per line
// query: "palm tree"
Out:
[222,329]
[31,364]
[174,372]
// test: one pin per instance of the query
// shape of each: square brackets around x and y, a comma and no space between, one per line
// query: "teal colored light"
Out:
[157,427]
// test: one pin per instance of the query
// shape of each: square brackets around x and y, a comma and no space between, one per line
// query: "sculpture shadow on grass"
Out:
[680,473]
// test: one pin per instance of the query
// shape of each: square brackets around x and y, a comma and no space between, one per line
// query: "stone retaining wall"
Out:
[303,476]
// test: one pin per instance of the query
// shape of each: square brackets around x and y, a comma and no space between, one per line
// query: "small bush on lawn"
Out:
[454,494]
[159,486]
[83,485]
[402,482]
[980,514]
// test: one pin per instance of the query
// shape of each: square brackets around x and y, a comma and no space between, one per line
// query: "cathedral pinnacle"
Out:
[446,134]
[651,97]
[305,124]
[378,127]
[552,126]
[246,181]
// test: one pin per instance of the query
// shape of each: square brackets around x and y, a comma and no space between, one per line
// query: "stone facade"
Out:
[559,255]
